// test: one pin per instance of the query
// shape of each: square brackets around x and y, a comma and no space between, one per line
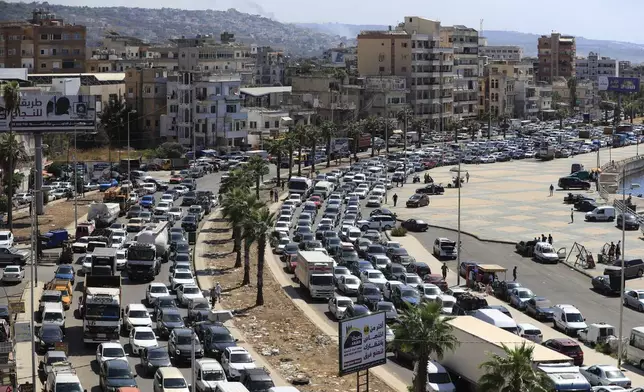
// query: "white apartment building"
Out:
[265,123]
[502,52]
[532,98]
[593,66]
[209,105]
[464,41]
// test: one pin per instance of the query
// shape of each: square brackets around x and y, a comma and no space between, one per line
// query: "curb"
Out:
[469,234]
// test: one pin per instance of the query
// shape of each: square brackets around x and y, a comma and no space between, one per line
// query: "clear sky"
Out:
[597,19]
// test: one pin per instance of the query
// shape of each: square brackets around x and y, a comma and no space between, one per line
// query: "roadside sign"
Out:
[22,331]
[62,346]
[6,388]
[26,387]
[16,307]
[362,343]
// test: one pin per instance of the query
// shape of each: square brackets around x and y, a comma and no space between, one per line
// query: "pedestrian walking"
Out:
[271,193]
[552,189]
[514,273]
[444,271]
[276,195]
[467,176]
[550,239]
[395,197]
[611,251]
[618,250]
[283,183]
[572,216]
[215,294]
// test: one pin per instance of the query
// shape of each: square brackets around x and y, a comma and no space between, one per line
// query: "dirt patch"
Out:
[279,331]
[59,214]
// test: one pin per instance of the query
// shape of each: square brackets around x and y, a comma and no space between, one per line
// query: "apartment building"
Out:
[498,90]
[146,92]
[332,99]
[43,44]
[384,96]
[265,123]
[557,54]
[464,40]
[594,66]
[502,52]
[270,65]
[204,110]
[532,99]
[386,53]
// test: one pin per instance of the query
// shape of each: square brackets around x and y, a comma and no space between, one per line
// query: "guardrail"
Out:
[614,167]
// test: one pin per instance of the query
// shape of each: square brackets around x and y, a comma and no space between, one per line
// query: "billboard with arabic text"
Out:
[363,343]
[50,113]
[618,85]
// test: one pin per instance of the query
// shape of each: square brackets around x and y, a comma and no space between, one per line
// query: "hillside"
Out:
[159,25]
[614,49]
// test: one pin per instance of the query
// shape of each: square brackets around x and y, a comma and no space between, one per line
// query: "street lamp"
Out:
[458,239]
[128,143]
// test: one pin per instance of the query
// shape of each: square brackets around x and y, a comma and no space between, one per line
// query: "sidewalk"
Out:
[23,349]
[591,357]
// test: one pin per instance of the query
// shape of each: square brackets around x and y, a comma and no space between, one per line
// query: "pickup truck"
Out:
[526,248]
[13,256]
[596,333]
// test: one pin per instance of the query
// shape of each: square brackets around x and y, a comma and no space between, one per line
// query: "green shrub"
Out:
[398,232]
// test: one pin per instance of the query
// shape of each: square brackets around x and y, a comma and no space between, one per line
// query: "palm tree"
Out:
[328,131]
[237,178]
[572,87]
[354,129]
[504,121]
[418,125]
[258,168]
[278,148]
[263,220]
[423,332]
[290,142]
[371,126]
[513,372]
[11,97]
[299,132]
[311,139]
[249,233]
[234,208]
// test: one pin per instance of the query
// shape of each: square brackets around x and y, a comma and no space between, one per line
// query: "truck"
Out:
[488,339]
[103,214]
[103,262]
[620,140]
[546,151]
[314,271]
[119,195]
[157,235]
[100,309]
[363,143]
[596,333]
[142,262]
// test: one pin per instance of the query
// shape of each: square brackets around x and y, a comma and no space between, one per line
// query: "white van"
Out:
[438,379]
[530,332]
[568,318]
[601,214]
[230,387]
[496,318]
[545,253]
[149,187]
[324,188]
[54,314]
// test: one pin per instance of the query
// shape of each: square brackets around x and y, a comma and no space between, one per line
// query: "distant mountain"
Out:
[160,25]
[614,49]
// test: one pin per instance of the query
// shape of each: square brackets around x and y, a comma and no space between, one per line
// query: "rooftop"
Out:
[260,91]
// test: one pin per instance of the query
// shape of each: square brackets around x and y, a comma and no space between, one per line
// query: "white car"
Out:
[108,351]
[121,259]
[605,375]
[80,246]
[180,189]
[389,288]
[154,291]
[187,293]
[234,360]
[380,261]
[338,305]
[349,284]
[118,240]
[134,197]
[374,201]
[389,334]
[13,274]
[373,276]
[22,198]
[361,193]
[446,303]
[6,239]
[530,332]
[167,198]
[136,315]
[142,337]
[177,212]
[283,226]
[429,292]
[296,198]
[634,299]
[163,206]
[86,264]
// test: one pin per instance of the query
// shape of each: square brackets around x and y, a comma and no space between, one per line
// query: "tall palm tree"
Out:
[278,148]
[513,372]
[504,123]
[423,332]
[328,131]
[237,178]
[291,143]
[299,132]
[249,233]
[257,167]
[371,125]
[234,208]
[11,97]
[354,128]
[311,139]
[263,221]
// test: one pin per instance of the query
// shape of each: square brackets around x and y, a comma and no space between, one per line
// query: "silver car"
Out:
[634,299]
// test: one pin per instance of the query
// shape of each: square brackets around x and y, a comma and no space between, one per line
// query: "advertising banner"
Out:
[362,343]
[618,85]
[51,113]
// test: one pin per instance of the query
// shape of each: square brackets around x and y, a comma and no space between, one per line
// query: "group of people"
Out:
[543,238]
[614,251]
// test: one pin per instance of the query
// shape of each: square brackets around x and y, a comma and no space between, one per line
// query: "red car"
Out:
[176,179]
[437,280]
[317,200]
[567,347]
[291,263]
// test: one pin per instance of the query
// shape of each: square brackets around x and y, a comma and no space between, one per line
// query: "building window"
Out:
[147,122]
[11,52]
[213,109]
[253,125]
[156,123]
[404,44]
[381,69]
[267,124]
[403,69]
[174,108]
[231,109]
[77,36]
[66,36]
[130,90]
[43,65]
[77,52]
[64,51]
[57,37]
[43,51]
[43,37]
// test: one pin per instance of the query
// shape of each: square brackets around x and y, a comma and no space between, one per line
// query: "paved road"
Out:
[558,283]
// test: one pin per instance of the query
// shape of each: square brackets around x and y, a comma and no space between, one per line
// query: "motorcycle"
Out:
[416,179]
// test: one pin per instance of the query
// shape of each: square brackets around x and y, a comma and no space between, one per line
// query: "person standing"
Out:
[572,216]
[277,196]
[550,239]
[395,198]
[467,176]
[552,189]
[514,273]
[444,270]
[618,250]
[271,193]
[611,251]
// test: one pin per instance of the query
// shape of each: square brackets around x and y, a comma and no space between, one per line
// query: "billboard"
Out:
[618,85]
[362,343]
[51,113]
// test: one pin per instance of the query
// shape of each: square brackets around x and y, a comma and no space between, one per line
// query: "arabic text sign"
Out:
[362,343]
[618,85]
[50,112]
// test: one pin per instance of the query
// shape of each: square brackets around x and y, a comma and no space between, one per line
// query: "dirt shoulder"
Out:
[279,330]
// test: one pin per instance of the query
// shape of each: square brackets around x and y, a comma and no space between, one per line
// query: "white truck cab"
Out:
[63,375]
[53,313]
[568,318]
[209,374]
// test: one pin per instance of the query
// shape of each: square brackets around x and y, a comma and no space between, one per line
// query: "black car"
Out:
[189,223]
[391,314]
[216,338]
[417,200]
[369,295]
[163,303]
[602,284]
[134,212]
[153,358]
[586,206]
[181,247]
[48,336]
[256,380]
[4,313]
[566,183]
[394,271]
[175,238]
[289,250]
[179,258]
[356,310]
[189,198]
[319,232]
[431,189]
[395,253]
[167,320]
[181,345]
[310,245]
[415,225]
[629,223]
[539,308]
[383,211]
[300,231]
[502,289]
[115,374]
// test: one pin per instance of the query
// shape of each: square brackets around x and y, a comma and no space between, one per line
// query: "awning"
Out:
[491,268]
[397,131]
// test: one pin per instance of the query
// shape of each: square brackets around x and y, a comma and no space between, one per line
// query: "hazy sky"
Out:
[598,19]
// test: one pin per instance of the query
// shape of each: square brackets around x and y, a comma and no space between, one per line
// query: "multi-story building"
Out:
[592,67]
[342,56]
[384,96]
[464,40]
[502,52]
[532,99]
[146,93]
[44,44]
[386,53]
[269,67]
[557,54]
[332,99]
[265,123]
[587,96]
[498,92]
[204,111]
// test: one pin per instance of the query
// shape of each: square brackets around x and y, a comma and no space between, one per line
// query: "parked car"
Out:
[567,347]
[416,225]
[417,200]
[628,221]
[634,268]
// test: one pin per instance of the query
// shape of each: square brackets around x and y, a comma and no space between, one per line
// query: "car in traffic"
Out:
[539,308]
[181,344]
[634,299]
[416,225]
[417,200]
[338,306]
[141,338]
[115,375]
